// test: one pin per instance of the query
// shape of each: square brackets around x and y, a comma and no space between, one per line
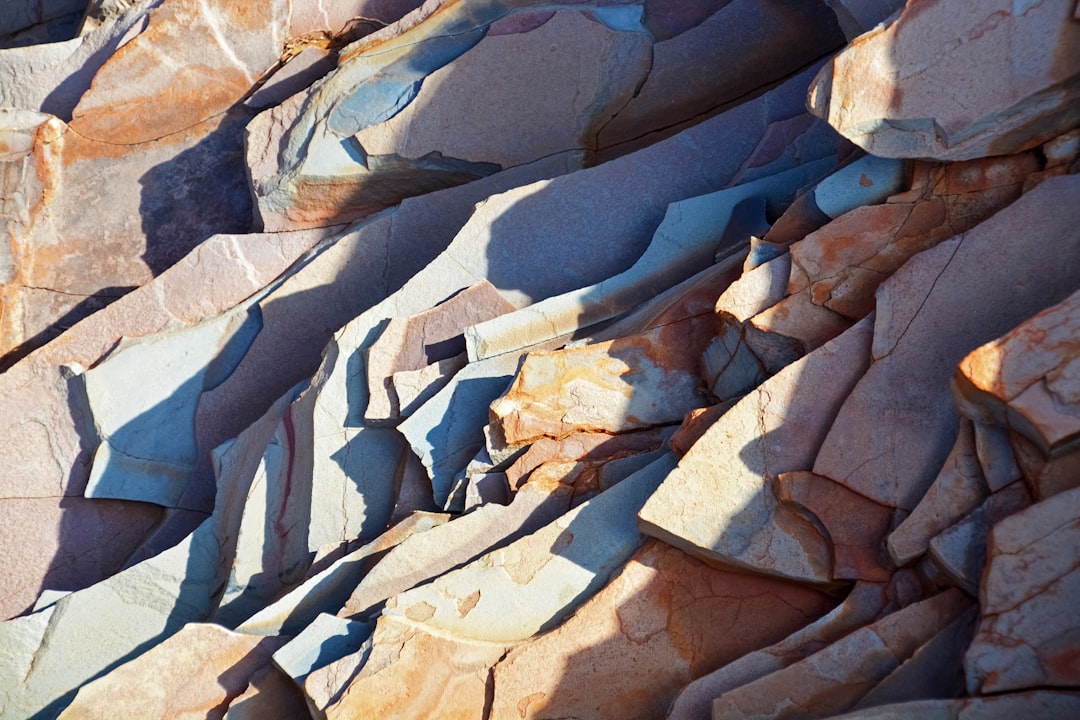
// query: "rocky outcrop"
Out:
[508,359]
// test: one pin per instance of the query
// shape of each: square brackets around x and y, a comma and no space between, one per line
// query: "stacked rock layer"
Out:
[506,359]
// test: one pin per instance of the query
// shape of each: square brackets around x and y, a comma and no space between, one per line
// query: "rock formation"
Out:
[507,359]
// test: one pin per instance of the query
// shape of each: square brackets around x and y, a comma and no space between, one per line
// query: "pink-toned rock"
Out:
[896,428]
[934,670]
[193,674]
[559,101]
[835,270]
[718,503]
[1029,381]
[960,551]
[694,73]
[1027,636]
[583,446]
[429,555]
[855,526]
[421,340]
[1044,476]
[893,92]
[957,490]
[626,384]
[834,679]
[862,606]
[694,425]
[269,696]
[411,674]
[663,621]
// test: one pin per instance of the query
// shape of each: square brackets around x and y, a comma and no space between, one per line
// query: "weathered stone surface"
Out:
[692,74]
[896,428]
[195,673]
[327,591]
[862,605]
[428,556]
[935,670]
[269,696]
[600,447]
[836,678]
[427,338]
[1026,380]
[690,235]
[446,431]
[632,383]
[891,92]
[1038,703]
[1027,633]
[512,593]
[52,77]
[103,218]
[412,673]
[836,269]
[664,620]
[855,526]
[325,639]
[957,490]
[718,503]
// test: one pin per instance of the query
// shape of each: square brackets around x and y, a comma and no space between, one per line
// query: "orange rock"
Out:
[192,674]
[666,619]
[413,674]
[626,384]
[833,680]
[1027,636]
[854,524]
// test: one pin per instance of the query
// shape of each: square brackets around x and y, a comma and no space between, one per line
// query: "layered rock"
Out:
[517,359]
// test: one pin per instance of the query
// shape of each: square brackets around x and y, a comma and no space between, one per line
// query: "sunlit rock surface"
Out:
[509,359]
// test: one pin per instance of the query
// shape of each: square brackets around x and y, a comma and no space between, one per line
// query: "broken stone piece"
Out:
[512,593]
[422,340]
[718,503]
[829,682]
[1025,380]
[861,606]
[854,525]
[957,490]
[626,384]
[1026,635]
[199,669]
[661,622]
[896,428]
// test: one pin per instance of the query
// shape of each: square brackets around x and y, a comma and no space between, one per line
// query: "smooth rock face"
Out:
[1027,633]
[862,605]
[894,459]
[192,674]
[661,622]
[957,490]
[836,678]
[891,93]
[718,502]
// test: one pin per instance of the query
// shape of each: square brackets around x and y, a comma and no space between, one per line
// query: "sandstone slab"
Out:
[1027,631]
[957,490]
[662,621]
[192,674]
[861,607]
[727,513]
[894,459]
[836,678]
[890,92]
